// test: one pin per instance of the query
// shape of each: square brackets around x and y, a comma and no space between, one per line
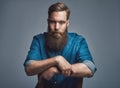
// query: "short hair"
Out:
[58,7]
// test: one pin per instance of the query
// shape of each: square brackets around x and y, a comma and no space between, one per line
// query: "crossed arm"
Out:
[57,65]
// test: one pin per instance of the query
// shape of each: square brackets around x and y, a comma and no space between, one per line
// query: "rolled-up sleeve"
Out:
[34,52]
[90,65]
[85,57]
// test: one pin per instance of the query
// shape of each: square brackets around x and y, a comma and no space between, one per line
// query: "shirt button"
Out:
[55,82]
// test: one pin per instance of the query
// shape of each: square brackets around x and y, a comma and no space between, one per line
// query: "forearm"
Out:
[81,70]
[36,67]
[49,73]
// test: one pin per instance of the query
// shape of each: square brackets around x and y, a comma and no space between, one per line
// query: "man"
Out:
[60,59]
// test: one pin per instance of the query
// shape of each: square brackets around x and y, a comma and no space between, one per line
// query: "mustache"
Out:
[55,32]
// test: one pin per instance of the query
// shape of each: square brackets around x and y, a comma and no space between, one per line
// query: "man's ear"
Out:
[68,23]
[47,20]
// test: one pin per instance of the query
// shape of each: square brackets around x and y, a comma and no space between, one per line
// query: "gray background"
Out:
[97,20]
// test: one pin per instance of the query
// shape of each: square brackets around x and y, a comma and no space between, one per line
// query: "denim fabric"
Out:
[76,50]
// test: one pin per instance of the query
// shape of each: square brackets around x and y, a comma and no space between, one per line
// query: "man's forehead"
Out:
[59,15]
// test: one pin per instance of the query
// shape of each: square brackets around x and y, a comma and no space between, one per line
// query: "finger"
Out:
[66,73]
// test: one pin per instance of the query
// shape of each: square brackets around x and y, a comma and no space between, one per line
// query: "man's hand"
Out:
[49,73]
[63,65]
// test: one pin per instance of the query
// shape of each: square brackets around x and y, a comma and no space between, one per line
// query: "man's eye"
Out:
[52,22]
[62,22]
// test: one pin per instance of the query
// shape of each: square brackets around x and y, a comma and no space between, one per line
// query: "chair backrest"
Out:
[40,83]
[80,82]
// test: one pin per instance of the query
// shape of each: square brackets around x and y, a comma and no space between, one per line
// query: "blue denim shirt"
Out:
[76,50]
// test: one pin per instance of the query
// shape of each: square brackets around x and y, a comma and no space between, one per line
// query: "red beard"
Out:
[55,41]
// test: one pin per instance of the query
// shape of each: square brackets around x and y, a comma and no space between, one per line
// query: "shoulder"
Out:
[75,37]
[39,37]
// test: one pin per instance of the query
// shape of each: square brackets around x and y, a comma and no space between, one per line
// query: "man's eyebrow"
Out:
[55,20]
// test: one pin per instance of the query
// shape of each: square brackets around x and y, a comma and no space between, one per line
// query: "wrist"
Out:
[57,59]
[55,69]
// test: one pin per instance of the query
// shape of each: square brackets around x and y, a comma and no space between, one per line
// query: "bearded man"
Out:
[59,58]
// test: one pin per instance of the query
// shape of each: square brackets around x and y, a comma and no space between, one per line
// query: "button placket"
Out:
[54,84]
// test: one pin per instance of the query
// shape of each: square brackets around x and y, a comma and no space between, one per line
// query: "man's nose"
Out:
[57,26]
